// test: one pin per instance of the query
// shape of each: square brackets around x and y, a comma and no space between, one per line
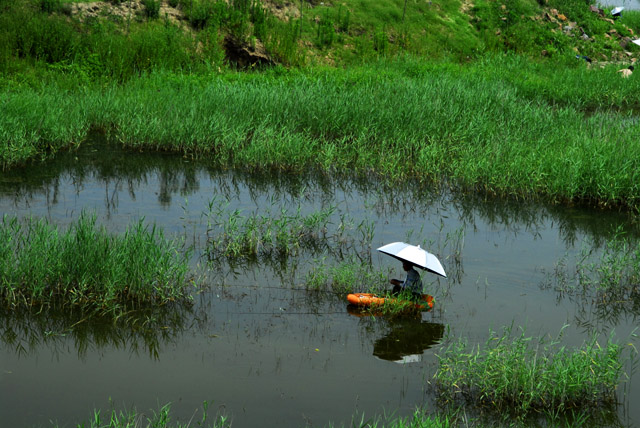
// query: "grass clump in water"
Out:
[159,419]
[522,376]
[606,274]
[84,267]
[276,236]
[346,277]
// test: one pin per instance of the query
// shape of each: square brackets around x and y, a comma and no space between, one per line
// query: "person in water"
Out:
[412,282]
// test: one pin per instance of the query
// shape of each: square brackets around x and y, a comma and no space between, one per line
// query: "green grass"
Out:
[522,375]
[277,236]
[42,33]
[524,136]
[158,419]
[88,269]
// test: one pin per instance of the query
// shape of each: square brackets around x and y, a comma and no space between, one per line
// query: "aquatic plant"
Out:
[469,129]
[522,375]
[348,276]
[158,419]
[276,236]
[87,268]
[605,275]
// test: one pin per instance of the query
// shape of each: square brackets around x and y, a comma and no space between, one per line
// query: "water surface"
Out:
[256,345]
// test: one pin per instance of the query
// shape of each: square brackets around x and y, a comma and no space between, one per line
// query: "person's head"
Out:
[407,266]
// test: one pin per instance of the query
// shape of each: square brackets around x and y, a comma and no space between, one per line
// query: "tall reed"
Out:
[158,419]
[262,236]
[523,375]
[85,267]
[399,121]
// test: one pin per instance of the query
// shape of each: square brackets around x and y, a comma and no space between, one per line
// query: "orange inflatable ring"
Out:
[369,299]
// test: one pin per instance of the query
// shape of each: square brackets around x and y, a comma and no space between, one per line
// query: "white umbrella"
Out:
[414,254]
[617,10]
[636,41]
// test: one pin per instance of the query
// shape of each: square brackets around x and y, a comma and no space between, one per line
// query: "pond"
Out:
[257,345]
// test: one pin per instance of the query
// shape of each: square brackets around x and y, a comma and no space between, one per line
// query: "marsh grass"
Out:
[86,268]
[279,235]
[160,418]
[346,277]
[521,375]
[470,128]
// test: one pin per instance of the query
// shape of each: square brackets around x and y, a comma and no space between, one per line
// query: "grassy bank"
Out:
[468,127]
[85,268]
[120,41]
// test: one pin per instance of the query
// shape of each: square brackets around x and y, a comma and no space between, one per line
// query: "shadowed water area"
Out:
[257,344]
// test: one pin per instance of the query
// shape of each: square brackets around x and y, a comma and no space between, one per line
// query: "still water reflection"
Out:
[255,343]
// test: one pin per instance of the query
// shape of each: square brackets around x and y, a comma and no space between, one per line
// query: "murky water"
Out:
[257,346]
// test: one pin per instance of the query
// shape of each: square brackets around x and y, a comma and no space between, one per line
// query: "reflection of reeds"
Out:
[87,268]
[610,278]
[146,330]
[522,375]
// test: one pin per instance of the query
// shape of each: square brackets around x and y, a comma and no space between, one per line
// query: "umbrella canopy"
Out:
[415,255]
[617,10]
[636,41]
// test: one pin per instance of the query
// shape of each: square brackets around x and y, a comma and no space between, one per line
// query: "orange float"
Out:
[369,299]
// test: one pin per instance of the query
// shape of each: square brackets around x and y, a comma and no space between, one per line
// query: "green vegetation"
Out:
[199,35]
[351,275]
[85,268]
[606,274]
[523,136]
[159,419]
[275,237]
[522,375]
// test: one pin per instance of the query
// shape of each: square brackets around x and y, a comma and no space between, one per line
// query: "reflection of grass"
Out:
[143,331]
[87,268]
[611,279]
[522,375]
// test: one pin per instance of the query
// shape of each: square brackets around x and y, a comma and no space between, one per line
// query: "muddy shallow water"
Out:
[256,345]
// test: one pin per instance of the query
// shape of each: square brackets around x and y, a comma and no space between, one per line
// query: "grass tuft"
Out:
[86,268]
[521,375]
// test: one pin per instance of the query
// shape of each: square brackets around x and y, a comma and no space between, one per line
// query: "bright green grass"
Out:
[86,268]
[497,127]
[523,375]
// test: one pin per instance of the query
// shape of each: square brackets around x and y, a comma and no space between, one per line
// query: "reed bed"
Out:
[346,277]
[270,236]
[85,267]
[523,375]
[467,128]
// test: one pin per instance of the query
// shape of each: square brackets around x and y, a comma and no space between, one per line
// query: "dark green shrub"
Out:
[151,8]
[50,6]
[325,33]
[380,41]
